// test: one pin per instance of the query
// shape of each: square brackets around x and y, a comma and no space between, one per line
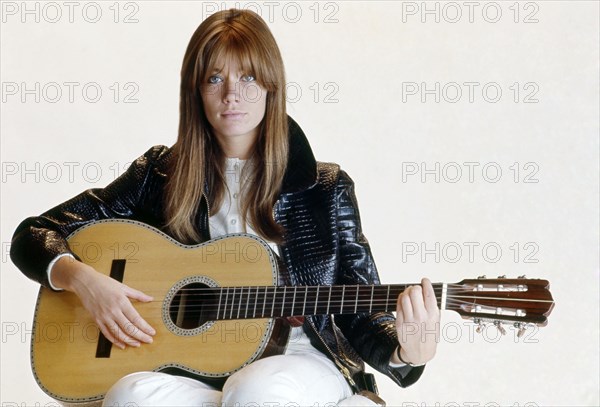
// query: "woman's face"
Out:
[234,104]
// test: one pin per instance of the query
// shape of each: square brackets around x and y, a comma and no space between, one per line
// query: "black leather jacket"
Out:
[324,245]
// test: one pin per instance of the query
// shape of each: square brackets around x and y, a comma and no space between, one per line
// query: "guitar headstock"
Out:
[520,301]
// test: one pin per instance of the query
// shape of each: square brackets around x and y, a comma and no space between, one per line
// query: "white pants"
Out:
[301,377]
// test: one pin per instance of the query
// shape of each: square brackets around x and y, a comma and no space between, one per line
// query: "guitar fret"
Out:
[304,305]
[226,301]
[247,302]
[356,301]
[273,304]
[264,302]
[283,301]
[294,302]
[371,303]
[232,304]
[255,302]
[329,299]
[387,299]
[342,300]
[219,307]
[240,304]
[317,299]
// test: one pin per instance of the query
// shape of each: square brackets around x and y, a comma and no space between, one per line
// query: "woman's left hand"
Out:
[417,323]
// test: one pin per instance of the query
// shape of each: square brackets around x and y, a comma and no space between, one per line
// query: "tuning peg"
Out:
[502,276]
[482,277]
[523,276]
[480,325]
[500,327]
[521,328]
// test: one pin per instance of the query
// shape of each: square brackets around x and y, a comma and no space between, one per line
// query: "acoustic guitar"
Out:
[218,307]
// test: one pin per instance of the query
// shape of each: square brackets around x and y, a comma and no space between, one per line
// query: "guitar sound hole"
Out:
[192,306]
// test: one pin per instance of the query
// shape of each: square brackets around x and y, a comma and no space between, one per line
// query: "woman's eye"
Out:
[214,79]
[248,78]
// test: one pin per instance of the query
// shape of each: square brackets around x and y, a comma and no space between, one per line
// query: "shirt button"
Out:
[235,195]
[233,221]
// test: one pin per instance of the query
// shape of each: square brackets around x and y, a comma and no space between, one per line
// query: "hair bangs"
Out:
[243,49]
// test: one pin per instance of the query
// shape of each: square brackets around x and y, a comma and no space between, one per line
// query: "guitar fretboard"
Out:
[284,301]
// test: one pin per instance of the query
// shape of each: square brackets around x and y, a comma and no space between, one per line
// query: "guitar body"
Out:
[71,359]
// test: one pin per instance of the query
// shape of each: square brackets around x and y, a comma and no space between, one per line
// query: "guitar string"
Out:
[254,294]
[258,291]
[234,306]
[334,295]
[333,299]
[278,290]
[233,315]
[275,291]
[332,304]
[436,286]
[302,289]
[279,298]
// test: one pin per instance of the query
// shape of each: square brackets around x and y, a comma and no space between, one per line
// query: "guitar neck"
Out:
[285,301]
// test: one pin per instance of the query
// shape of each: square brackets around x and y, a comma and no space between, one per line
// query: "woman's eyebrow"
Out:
[239,72]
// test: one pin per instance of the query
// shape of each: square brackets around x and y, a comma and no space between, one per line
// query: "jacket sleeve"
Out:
[373,336]
[39,239]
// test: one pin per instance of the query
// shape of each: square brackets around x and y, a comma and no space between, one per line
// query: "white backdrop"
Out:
[470,129]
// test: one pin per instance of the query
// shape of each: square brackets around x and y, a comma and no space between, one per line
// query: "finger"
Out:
[429,295]
[142,330]
[399,311]
[123,335]
[136,294]
[121,329]
[407,308]
[108,334]
[416,300]
[131,334]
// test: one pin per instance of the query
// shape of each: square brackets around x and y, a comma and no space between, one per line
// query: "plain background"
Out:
[362,79]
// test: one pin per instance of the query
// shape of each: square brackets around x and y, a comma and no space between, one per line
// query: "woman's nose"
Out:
[231,91]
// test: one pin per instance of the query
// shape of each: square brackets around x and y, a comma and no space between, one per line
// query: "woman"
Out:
[240,164]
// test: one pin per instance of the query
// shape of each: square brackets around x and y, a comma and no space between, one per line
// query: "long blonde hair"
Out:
[197,158]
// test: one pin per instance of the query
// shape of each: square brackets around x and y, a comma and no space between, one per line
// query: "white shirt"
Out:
[229,220]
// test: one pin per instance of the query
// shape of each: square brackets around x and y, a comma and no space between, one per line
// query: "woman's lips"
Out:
[233,114]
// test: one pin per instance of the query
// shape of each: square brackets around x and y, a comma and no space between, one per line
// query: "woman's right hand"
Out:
[107,300]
